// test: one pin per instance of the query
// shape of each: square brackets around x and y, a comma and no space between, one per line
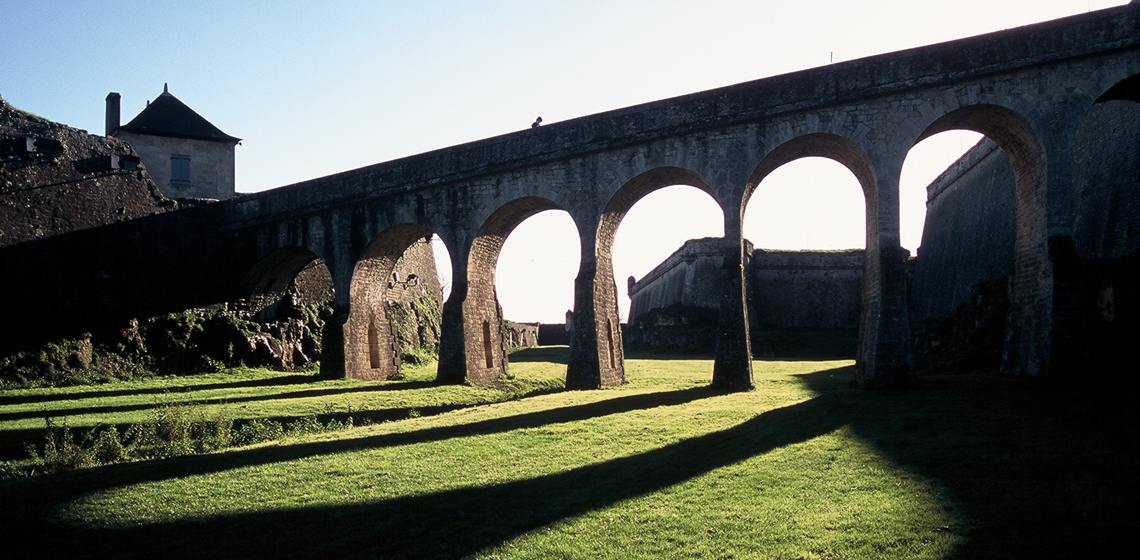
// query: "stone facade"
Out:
[210,164]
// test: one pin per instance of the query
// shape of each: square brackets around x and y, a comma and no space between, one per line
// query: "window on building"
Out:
[179,170]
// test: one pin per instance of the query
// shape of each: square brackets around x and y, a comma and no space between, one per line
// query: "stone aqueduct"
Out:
[1027,89]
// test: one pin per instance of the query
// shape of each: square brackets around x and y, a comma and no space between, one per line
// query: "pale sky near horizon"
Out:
[316,88]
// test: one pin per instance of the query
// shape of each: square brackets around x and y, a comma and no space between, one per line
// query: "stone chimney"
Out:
[112,112]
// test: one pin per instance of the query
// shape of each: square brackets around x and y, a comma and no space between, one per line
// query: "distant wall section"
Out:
[807,289]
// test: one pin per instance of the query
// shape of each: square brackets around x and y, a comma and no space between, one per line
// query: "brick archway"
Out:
[597,357]
[485,350]
[370,351]
[1029,324]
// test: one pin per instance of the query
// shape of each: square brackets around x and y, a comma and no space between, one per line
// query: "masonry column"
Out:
[596,354]
[884,358]
[732,368]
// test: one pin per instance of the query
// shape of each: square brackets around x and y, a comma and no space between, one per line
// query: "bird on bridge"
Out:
[536,122]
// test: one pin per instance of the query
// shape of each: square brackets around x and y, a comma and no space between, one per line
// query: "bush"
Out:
[60,451]
[257,431]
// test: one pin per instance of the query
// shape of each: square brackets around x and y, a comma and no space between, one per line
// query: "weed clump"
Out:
[174,429]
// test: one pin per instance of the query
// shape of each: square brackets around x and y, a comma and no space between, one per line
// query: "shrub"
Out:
[257,431]
[10,471]
[60,451]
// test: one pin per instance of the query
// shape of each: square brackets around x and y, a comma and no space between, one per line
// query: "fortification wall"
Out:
[42,197]
[806,289]
[690,277]
[1106,176]
[674,307]
[968,235]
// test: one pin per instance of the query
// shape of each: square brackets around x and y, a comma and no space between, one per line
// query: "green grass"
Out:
[802,467]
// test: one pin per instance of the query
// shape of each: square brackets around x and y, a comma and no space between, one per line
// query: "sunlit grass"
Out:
[804,466]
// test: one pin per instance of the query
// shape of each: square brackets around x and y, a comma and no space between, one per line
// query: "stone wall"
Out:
[690,277]
[520,335]
[959,295]
[675,306]
[414,300]
[968,236]
[806,289]
[211,164]
[42,197]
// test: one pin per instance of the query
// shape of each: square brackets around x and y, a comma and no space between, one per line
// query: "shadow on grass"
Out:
[271,382]
[187,396]
[1024,472]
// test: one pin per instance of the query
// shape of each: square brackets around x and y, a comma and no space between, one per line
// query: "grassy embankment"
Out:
[803,467]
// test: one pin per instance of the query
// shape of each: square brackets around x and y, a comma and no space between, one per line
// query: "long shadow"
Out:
[22,415]
[31,399]
[132,473]
[554,355]
[1005,505]
[460,522]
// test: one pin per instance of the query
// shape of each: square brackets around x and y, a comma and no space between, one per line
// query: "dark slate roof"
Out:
[167,116]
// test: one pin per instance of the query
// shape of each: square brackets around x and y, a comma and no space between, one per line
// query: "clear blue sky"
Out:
[316,88]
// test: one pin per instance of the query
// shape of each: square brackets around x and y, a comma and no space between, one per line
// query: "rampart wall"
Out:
[690,277]
[807,289]
[675,306]
[969,232]
[44,195]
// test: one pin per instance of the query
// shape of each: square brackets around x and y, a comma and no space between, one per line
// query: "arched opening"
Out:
[984,238]
[394,304]
[534,278]
[811,203]
[654,229]
[290,292]
[806,219]
[662,232]
[488,341]
[1106,231]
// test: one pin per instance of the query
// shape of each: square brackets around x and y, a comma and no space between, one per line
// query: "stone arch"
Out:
[484,345]
[271,275]
[629,194]
[597,356]
[831,146]
[276,289]
[882,297]
[370,350]
[1029,323]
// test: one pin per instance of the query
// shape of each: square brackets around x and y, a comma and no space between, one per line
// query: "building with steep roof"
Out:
[186,156]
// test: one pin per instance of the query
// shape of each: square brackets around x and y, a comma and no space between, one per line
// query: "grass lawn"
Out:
[804,466]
